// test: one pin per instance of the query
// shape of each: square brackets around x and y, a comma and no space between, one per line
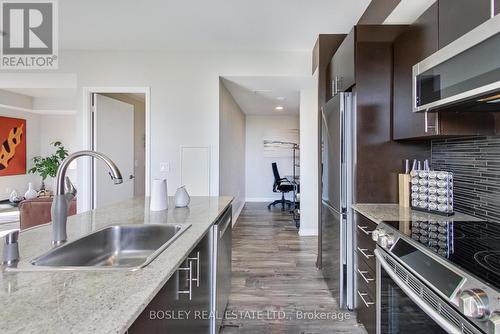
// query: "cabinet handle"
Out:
[336,85]
[363,251]
[197,259]
[362,295]
[429,127]
[189,270]
[339,84]
[363,229]
[362,273]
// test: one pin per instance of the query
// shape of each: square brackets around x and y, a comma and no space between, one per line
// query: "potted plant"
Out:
[48,166]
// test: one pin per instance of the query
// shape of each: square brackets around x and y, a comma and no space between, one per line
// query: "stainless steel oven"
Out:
[420,291]
[407,305]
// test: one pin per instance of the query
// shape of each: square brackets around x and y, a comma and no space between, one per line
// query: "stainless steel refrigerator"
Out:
[335,251]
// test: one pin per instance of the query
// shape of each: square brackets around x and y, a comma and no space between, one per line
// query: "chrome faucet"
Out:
[65,192]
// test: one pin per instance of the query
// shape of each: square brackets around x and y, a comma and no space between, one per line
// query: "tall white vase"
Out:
[159,195]
[31,193]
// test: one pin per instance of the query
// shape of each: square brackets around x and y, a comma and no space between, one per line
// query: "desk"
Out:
[295,180]
[9,218]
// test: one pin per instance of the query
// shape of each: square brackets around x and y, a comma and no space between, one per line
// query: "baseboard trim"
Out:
[308,232]
[262,199]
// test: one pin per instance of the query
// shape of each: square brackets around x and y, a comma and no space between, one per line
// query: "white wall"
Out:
[33,127]
[232,150]
[259,175]
[59,128]
[309,159]
[184,92]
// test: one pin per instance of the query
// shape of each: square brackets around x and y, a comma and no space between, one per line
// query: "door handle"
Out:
[363,251]
[197,259]
[131,177]
[362,273]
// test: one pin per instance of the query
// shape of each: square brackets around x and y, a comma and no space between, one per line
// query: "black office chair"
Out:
[283,186]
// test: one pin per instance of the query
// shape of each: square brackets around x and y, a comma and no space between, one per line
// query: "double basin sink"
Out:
[126,247]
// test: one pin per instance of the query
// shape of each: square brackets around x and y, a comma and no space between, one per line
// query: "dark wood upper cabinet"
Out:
[457,17]
[342,65]
[418,42]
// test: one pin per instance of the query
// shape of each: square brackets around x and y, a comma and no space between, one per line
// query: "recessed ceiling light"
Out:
[279,108]
[280,98]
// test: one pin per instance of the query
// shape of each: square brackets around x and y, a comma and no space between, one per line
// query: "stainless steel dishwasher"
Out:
[221,279]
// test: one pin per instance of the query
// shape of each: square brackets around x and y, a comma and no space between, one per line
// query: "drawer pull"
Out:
[189,291]
[364,252]
[363,229]
[362,273]
[197,259]
[362,296]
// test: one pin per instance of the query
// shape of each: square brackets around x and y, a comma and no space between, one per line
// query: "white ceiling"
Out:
[260,95]
[407,11]
[203,24]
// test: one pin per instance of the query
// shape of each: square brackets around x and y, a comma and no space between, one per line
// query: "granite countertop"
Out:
[393,212]
[97,301]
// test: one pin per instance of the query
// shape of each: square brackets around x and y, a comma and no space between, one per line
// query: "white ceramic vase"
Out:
[14,197]
[31,193]
[159,195]
[181,198]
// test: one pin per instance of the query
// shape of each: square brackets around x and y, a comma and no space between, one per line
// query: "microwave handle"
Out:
[415,298]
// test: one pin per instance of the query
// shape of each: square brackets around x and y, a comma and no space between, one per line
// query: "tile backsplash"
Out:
[475,163]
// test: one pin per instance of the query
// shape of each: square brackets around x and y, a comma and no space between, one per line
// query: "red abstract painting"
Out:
[12,146]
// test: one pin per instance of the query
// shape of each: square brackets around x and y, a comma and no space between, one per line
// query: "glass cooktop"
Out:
[473,246]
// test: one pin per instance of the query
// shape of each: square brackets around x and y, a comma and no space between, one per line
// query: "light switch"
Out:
[164,167]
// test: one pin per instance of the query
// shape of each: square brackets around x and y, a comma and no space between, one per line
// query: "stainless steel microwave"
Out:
[462,76]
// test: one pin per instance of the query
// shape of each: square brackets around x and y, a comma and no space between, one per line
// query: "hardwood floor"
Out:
[274,271]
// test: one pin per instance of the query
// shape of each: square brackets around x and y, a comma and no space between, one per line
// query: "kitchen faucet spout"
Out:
[60,205]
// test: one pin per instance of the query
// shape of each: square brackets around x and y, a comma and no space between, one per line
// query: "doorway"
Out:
[259,142]
[118,126]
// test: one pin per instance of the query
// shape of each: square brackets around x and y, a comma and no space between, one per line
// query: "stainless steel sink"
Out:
[129,247]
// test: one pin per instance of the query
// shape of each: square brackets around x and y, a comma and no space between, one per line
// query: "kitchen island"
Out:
[97,301]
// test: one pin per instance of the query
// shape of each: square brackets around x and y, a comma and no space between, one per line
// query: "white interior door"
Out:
[113,136]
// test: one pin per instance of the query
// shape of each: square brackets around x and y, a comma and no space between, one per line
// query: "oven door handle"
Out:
[441,321]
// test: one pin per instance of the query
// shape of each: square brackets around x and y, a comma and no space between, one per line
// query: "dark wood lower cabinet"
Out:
[365,246]
[366,284]
[183,303]
[366,310]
